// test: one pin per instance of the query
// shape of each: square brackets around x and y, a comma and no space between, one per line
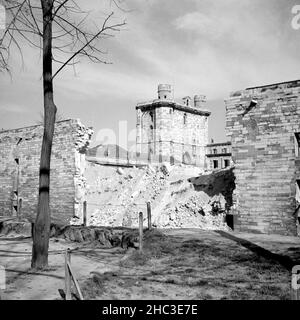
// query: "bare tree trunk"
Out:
[41,231]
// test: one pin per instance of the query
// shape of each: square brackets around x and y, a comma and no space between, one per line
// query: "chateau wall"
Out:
[264,150]
[67,183]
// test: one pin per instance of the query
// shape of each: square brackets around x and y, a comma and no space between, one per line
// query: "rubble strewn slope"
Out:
[116,196]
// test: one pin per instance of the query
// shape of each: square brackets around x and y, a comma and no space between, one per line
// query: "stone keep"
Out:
[263,124]
[20,151]
[171,131]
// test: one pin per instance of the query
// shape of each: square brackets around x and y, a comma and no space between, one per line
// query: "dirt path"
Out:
[23,283]
[175,264]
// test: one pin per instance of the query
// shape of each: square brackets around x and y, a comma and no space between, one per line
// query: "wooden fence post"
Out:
[149,215]
[141,231]
[295,288]
[85,213]
[67,275]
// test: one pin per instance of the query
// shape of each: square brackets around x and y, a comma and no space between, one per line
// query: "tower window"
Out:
[297,143]
[106,152]
[165,97]
[184,118]
[215,164]
[151,116]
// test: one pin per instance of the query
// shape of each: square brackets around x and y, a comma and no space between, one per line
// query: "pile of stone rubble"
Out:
[198,210]
[123,193]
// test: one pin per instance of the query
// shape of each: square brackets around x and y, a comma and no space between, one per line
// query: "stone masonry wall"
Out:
[67,184]
[163,132]
[264,153]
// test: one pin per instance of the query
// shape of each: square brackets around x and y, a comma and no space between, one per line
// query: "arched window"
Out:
[184,118]
[151,116]
[106,152]
[187,158]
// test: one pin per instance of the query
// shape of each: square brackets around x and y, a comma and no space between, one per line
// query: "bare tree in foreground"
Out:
[58,28]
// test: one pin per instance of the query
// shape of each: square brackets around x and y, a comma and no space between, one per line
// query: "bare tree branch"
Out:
[70,36]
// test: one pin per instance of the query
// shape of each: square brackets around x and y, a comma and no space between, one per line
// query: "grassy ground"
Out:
[203,265]
[175,264]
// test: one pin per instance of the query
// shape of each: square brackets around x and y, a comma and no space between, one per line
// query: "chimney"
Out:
[187,101]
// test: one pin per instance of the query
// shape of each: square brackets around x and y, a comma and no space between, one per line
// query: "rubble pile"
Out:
[116,198]
[197,211]
[214,183]
[153,184]
[117,195]
[110,192]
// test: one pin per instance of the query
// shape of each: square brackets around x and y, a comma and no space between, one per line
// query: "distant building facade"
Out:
[218,155]
[171,131]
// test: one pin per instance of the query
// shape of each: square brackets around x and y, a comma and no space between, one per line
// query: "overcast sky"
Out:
[209,47]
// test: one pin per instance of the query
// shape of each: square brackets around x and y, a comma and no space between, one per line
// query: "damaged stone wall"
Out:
[262,123]
[19,162]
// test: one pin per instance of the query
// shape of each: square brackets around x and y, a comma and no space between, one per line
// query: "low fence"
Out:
[69,273]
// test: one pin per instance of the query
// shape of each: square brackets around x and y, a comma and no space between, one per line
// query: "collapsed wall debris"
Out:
[116,200]
[200,202]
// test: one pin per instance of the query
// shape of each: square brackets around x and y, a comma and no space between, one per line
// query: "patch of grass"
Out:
[94,287]
[189,270]
[201,283]
[136,258]
[239,294]
[172,281]
[205,296]
[270,291]
[156,244]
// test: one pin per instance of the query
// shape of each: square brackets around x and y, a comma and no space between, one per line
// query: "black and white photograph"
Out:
[149,153]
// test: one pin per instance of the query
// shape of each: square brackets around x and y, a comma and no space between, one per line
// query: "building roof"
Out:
[258,90]
[291,83]
[216,144]
[144,106]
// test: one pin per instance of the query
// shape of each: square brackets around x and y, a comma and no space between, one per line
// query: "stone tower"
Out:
[171,131]
[263,124]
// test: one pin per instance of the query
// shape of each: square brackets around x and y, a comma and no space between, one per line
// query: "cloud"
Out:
[199,23]
[208,46]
